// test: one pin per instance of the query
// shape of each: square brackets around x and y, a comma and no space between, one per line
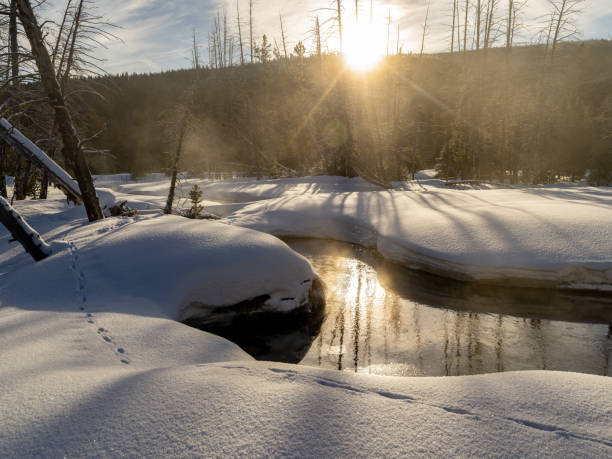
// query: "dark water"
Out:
[384,319]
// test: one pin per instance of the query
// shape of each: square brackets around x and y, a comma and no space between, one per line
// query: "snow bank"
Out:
[168,261]
[522,237]
[550,236]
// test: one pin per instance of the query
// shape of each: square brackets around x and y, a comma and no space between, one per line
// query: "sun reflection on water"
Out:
[370,328]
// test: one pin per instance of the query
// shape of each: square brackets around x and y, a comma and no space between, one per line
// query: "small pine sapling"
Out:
[195,196]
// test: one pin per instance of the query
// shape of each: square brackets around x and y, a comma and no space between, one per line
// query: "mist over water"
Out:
[383,319]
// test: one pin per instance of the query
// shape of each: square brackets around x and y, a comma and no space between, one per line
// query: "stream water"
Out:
[384,319]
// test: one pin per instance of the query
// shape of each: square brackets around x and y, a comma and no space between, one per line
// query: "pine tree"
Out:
[195,196]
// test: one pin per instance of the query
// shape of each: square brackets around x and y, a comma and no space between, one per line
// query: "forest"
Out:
[489,114]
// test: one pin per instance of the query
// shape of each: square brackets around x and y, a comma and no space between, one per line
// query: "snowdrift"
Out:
[168,261]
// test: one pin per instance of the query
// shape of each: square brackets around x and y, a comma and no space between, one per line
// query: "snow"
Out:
[94,363]
[26,229]
[165,260]
[551,236]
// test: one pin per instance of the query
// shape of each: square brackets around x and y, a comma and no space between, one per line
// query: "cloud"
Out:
[157,33]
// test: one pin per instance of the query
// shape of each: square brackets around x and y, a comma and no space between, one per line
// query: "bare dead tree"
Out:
[465,25]
[490,36]
[453,26]
[195,51]
[226,54]
[251,28]
[317,32]
[509,23]
[13,44]
[425,28]
[478,22]
[339,19]
[239,32]
[458,27]
[388,31]
[563,21]
[516,23]
[175,164]
[73,152]
[397,47]
[283,37]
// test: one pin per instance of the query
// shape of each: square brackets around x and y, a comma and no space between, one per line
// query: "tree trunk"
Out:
[509,25]
[44,186]
[453,26]
[70,61]
[240,33]
[3,191]
[177,157]
[478,20]
[560,20]
[465,25]
[251,27]
[17,179]
[25,180]
[339,7]
[424,29]
[72,151]
[22,232]
[14,45]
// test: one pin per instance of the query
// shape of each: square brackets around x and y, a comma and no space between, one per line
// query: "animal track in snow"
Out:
[81,291]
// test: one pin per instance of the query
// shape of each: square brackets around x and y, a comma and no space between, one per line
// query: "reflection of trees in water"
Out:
[607,349]
[458,329]
[416,323]
[499,343]
[371,289]
[446,345]
[395,333]
[539,341]
[474,346]
[386,321]
[395,317]
[357,317]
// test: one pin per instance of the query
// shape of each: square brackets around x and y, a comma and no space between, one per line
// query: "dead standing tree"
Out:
[562,22]
[425,28]
[73,153]
[175,163]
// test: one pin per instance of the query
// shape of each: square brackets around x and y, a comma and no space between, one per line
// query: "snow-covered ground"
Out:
[93,362]
[554,236]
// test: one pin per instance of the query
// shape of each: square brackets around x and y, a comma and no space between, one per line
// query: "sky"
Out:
[156,35]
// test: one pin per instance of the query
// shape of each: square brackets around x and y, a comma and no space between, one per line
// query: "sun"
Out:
[362,50]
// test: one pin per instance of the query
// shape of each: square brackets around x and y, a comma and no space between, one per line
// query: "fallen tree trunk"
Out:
[22,232]
[30,151]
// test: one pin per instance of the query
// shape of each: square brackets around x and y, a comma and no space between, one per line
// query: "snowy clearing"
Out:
[93,362]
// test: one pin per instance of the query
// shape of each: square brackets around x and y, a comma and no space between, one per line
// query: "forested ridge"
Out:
[489,114]
[494,114]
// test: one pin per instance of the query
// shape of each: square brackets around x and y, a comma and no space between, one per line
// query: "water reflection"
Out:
[383,319]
